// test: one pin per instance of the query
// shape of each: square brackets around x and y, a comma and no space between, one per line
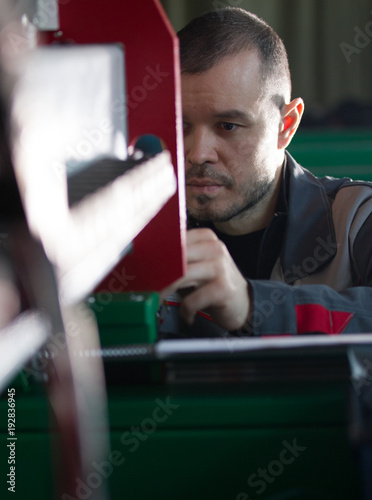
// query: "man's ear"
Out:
[290,119]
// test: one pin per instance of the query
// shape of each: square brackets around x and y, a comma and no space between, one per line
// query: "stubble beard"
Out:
[252,200]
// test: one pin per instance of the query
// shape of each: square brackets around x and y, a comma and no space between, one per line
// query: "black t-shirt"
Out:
[245,250]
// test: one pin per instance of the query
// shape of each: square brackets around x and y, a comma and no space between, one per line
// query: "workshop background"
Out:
[329,48]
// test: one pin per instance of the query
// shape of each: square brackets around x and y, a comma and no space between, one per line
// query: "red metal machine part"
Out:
[153,106]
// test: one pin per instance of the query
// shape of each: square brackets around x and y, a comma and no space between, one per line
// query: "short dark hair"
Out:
[214,35]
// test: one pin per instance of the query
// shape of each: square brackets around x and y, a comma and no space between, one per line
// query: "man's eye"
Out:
[228,126]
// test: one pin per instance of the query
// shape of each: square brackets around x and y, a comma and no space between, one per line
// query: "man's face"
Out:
[231,140]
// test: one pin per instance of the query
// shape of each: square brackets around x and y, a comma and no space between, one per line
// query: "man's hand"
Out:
[213,283]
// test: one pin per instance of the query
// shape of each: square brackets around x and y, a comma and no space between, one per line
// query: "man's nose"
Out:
[200,147]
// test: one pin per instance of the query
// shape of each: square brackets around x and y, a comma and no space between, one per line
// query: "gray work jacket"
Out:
[322,279]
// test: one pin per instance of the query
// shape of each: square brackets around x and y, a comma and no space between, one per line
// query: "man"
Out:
[262,225]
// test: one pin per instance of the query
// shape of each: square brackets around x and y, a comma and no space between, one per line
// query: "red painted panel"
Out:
[153,107]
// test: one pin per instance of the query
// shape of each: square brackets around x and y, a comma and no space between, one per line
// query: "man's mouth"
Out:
[204,186]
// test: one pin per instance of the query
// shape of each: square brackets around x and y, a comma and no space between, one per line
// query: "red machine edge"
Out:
[153,104]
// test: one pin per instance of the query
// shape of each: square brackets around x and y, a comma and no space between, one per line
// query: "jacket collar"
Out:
[309,240]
